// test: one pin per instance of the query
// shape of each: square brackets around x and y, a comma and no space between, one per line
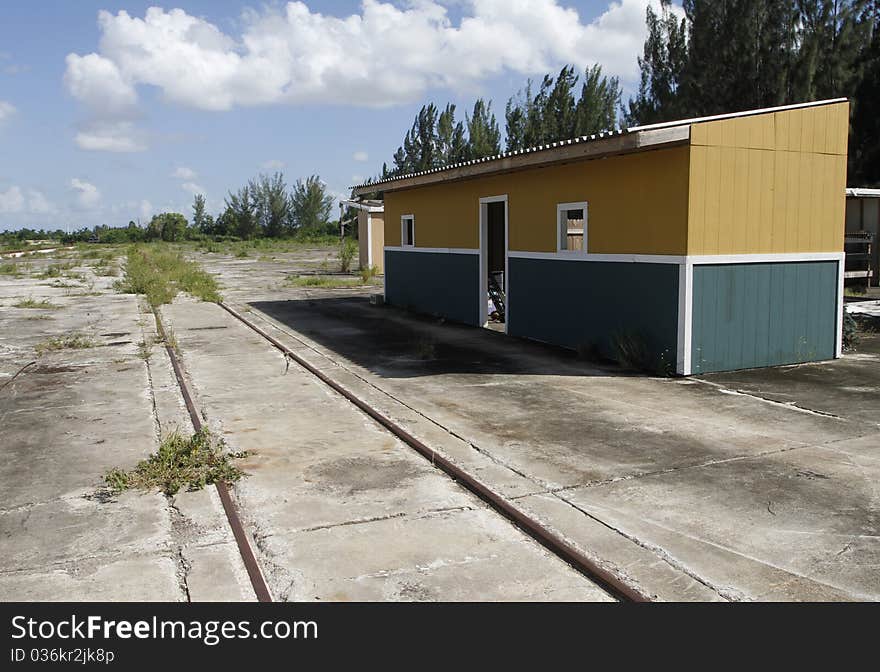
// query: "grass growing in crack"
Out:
[159,272]
[368,274]
[192,462]
[145,349]
[329,283]
[56,271]
[10,269]
[69,342]
[31,302]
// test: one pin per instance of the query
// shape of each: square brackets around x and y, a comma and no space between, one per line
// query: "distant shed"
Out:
[371,233]
[712,244]
[863,228]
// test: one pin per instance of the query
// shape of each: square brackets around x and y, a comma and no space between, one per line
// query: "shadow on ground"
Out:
[395,344]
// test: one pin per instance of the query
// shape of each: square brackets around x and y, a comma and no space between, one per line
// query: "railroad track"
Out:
[557,545]
[551,541]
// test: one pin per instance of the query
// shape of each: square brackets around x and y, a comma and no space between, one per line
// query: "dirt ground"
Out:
[758,485]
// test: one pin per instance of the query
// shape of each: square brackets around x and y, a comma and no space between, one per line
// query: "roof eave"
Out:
[626,143]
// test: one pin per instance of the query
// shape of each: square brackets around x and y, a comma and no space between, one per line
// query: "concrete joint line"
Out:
[661,553]
[773,402]
[288,357]
[609,581]
[255,573]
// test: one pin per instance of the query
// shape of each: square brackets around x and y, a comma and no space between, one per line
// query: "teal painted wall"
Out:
[753,315]
[434,283]
[584,304]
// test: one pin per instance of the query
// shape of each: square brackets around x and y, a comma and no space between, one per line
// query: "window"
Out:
[571,225]
[408,231]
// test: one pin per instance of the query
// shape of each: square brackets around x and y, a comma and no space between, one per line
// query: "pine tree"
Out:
[865,138]
[662,68]
[484,137]
[596,109]
[559,114]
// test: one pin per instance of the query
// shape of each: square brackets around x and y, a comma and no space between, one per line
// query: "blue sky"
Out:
[115,111]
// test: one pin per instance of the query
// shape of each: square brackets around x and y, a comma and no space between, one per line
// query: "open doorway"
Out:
[493,263]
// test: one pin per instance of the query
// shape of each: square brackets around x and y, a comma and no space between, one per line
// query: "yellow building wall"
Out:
[770,183]
[638,204]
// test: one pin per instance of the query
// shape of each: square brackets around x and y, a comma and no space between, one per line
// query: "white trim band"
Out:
[433,250]
[630,258]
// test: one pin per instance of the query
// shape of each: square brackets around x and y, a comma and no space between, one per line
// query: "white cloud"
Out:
[193,188]
[111,136]
[38,203]
[6,110]
[382,55]
[88,195]
[12,200]
[360,156]
[273,164]
[184,173]
[98,82]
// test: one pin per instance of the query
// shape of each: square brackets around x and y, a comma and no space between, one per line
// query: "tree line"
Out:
[265,207]
[734,55]
[721,56]
[553,110]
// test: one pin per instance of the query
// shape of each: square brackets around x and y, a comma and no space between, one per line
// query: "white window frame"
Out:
[403,242]
[565,207]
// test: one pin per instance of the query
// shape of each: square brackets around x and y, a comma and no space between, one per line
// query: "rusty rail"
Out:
[258,582]
[607,580]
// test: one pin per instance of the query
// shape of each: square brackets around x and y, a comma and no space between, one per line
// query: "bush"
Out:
[850,331]
[159,273]
[348,249]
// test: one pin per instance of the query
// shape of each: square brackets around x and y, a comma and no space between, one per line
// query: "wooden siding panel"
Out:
[751,315]
[638,205]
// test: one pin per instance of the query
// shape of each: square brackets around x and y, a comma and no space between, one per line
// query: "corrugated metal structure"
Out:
[714,243]
[863,234]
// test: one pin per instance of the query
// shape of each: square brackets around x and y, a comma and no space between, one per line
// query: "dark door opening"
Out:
[496,254]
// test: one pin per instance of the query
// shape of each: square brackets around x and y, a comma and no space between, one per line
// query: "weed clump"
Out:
[160,273]
[191,462]
[327,283]
[348,249]
[30,302]
[850,332]
[69,342]
[368,274]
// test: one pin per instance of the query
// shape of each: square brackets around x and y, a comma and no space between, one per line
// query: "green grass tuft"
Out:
[30,302]
[192,462]
[159,272]
[69,342]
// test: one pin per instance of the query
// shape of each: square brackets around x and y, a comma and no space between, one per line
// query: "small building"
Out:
[707,244]
[862,231]
[371,233]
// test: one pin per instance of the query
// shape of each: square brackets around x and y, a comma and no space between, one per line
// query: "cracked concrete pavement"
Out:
[67,419]
[759,485]
[756,485]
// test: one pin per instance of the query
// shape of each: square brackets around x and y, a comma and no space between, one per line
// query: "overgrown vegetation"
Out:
[31,302]
[348,250]
[67,342]
[850,331]
[631,351]
[748,54]
[191,462]
[368,274]
[160,272]
[324,282]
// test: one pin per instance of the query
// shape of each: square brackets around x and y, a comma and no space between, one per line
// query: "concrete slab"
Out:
[338,507]
[622,463]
